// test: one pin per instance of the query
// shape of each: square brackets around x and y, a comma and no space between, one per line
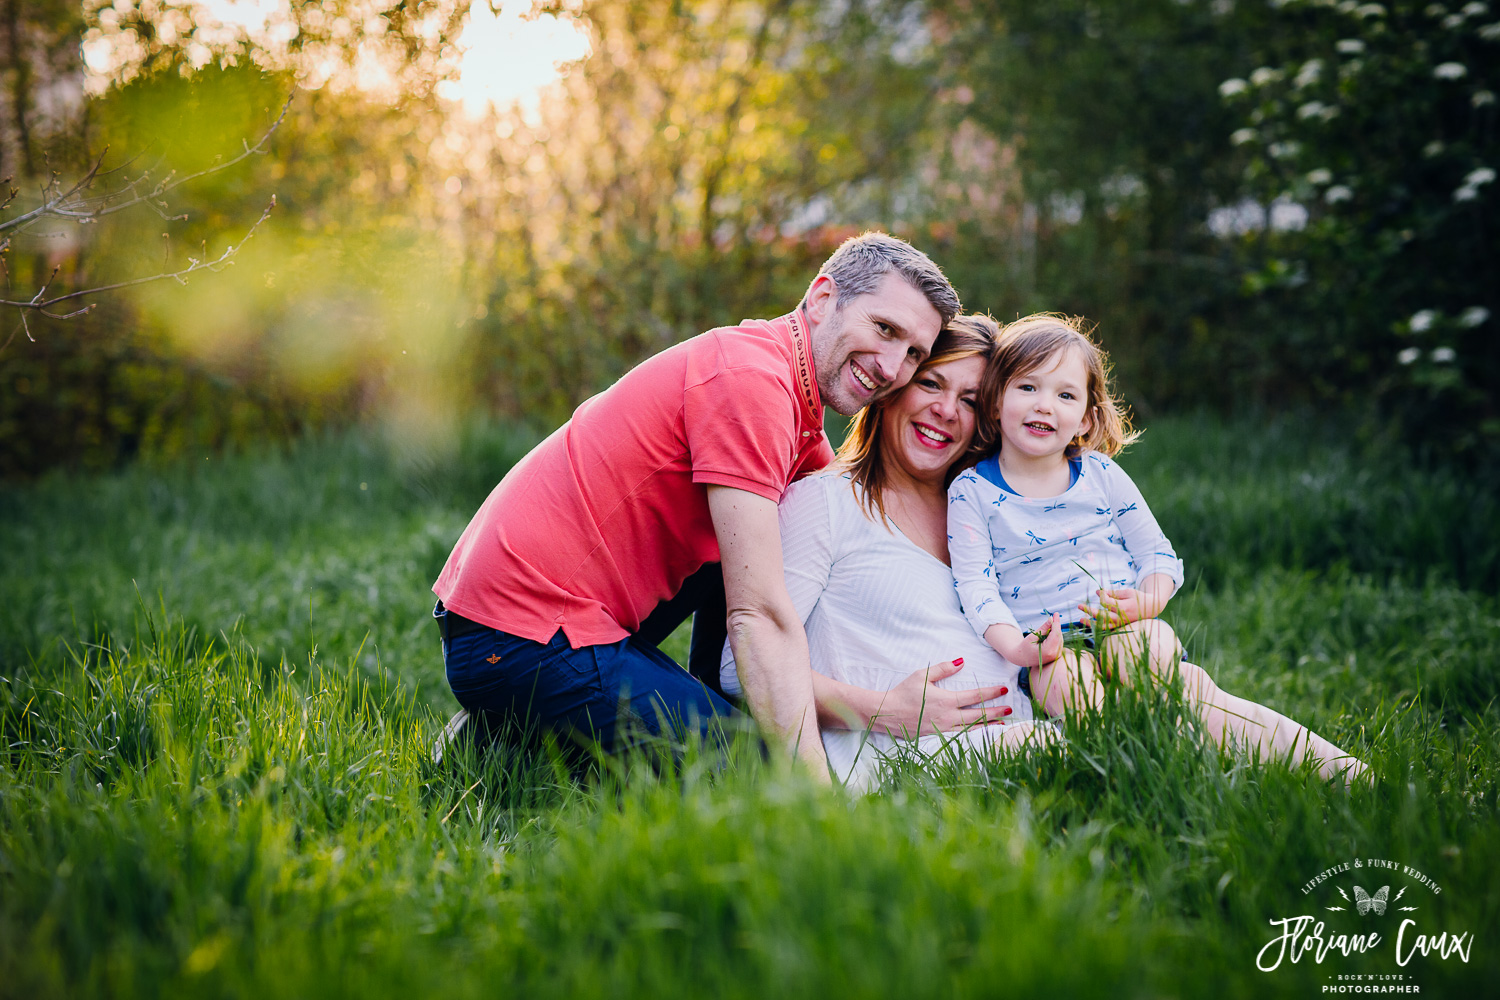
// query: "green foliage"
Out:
[424,264]
[681,178]
[1380,120]
[1118,152]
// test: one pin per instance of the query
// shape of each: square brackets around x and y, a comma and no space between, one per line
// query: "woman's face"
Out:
[930,423]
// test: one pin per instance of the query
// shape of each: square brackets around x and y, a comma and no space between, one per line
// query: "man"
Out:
[605,535]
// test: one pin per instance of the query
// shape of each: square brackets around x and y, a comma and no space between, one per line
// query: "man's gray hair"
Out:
[859,263]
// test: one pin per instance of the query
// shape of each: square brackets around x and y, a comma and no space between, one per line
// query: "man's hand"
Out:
[770,648]
[916,706]
[1123,605]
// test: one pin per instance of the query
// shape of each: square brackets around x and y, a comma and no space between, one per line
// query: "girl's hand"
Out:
[1118,607]
[1045,644]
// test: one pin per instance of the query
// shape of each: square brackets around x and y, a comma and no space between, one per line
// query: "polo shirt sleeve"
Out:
[741,428]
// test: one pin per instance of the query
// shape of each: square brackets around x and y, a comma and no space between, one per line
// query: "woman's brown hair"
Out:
[862,455]
[1028,345]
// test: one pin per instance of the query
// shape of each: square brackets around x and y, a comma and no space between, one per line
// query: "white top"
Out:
[876,607]
[1017,560]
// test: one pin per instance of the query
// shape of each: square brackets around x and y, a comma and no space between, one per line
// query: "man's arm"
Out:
[770,647]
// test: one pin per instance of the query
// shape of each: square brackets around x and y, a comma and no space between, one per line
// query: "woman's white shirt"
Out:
[876,607]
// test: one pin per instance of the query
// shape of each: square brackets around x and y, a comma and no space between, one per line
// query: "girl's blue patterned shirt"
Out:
[1016,559]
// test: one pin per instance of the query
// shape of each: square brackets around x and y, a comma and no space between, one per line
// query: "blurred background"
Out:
[493,210]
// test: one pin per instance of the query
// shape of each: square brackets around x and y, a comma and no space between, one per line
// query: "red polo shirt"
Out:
[609,515]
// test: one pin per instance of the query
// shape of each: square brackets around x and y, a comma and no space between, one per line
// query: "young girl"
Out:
[1048,535]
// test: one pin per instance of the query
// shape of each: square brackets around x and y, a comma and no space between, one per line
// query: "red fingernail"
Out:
[958,662]
[1007,710]
[1005,690]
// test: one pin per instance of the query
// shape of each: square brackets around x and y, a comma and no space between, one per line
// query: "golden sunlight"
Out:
[508,57]
[504,55]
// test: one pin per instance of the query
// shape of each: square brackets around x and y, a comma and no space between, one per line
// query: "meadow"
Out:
[219,687]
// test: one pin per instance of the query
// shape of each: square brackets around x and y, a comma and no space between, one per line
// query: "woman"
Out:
[865,548]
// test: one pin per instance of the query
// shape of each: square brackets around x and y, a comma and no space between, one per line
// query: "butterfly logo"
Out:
[1364,902]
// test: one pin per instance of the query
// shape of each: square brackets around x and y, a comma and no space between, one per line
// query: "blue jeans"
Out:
[593,692]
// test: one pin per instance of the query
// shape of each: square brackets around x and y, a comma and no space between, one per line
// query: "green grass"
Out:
[219,688]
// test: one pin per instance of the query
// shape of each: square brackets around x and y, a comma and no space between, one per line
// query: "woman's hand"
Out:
[917,706]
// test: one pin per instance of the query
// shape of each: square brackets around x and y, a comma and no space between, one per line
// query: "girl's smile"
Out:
[1043,411]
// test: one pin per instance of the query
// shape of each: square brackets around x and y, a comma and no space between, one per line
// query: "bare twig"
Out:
[38,303]
[71,204]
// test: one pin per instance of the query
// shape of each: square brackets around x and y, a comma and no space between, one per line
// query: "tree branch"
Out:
[40,304]
[70,204]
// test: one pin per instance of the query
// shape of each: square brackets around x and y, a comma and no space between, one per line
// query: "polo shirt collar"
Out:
[802,368]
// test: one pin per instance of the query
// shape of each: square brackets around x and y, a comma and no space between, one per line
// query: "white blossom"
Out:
[1320,176]
[1350,46]
[1452,21]
[1337,193]
[1370,10]
[1482,98]
[1443,355]
[1281,150]
[1466,193]
[1421,322]
[1473,316]
[1231,87]
[1433,148]
[1435,10]
[1476,9]
[1287,216]
[1409,354]
[1490,32]
[1478,176]
[1450,71]
[1241,136]
[1312,109]
[1265,75]
[1309,73]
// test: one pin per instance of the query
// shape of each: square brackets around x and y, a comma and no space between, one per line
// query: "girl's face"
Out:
[1042,411]
[930,423]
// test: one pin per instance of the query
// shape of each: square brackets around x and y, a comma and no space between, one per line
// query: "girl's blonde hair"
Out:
[862,454]
[1032,343]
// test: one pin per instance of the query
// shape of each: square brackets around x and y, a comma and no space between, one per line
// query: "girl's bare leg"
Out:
[1228,719]
[1070,681]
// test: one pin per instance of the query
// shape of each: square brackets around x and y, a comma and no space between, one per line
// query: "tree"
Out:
[1120,150]
[1380,120]
[683,177]
[98,195]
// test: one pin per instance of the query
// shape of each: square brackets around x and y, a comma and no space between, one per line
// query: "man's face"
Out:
[870,347]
